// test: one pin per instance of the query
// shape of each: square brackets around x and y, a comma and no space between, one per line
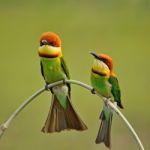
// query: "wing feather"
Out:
[42,72]
[66,71]
[115,90]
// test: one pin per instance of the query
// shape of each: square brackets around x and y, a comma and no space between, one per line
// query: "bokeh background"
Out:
[118,28]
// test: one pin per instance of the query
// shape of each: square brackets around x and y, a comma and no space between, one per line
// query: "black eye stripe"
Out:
[51,43]
[46,43]
[41,44]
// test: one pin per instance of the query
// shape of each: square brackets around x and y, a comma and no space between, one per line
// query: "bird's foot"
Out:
[93,91]
[64,81]
[46,87]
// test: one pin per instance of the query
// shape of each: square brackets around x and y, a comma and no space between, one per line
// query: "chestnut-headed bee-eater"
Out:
[104,81]
[62,115]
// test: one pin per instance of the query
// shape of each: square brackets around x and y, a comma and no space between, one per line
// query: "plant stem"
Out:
[113,107]
[6,124]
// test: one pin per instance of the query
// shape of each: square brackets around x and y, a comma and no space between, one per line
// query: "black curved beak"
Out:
[95,55]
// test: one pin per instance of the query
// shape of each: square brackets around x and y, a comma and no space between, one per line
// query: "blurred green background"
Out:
[118,28]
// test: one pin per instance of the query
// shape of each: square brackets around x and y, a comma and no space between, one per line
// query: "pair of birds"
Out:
[62,115]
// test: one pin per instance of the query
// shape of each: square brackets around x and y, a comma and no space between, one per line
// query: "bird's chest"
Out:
[52,70]
[101,84]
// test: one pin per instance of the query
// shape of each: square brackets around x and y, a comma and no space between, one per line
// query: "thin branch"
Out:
[6,124]
[113,107]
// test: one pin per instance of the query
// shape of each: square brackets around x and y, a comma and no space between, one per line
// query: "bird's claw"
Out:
[64,81]
[46,87]
[93,91]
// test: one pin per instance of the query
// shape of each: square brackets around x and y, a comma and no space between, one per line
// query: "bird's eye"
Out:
[104,60]
[45,42]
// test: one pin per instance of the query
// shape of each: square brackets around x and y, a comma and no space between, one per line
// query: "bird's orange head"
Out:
[107,60]
[102,64]
[50,45]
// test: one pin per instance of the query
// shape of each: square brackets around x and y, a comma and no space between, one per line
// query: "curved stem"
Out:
[113,107]
[118,112]
[6,124]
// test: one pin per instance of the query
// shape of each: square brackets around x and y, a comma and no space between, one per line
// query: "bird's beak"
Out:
[95,55]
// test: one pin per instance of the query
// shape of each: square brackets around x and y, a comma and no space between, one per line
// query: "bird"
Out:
[62,114]
[104,81]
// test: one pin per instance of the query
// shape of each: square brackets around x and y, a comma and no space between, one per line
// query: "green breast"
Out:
[101,84]
[52,69]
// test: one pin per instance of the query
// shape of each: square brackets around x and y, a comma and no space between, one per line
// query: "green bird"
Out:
[62,115]
[104,81]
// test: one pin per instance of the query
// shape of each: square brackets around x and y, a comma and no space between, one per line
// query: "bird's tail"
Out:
[60,119]
[104,133]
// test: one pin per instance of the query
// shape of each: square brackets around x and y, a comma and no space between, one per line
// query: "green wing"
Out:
[115,90]
[66,71]
[42,69]
[64,67]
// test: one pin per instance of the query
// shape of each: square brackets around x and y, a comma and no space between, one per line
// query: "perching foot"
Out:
[93,91]
[64,81]
[46,87]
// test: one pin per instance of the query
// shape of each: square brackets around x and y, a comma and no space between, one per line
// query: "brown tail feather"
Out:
[104,131]
[60,119]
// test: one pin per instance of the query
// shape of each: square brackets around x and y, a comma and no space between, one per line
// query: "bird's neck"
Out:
[112,73]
